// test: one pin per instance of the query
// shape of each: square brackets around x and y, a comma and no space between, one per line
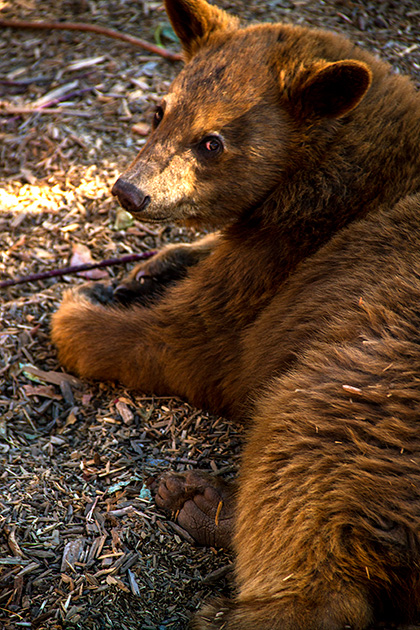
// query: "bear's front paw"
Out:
[142,289]
[148,281]
[98,293]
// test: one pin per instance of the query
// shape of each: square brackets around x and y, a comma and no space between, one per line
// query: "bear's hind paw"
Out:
[200,503]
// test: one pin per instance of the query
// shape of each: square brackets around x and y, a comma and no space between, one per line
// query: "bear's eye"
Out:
[158,116]
[211,146]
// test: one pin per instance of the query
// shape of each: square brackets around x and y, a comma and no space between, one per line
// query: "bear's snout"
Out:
[130,197]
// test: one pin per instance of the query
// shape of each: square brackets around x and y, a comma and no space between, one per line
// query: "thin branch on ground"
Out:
[93,28]
[53,273]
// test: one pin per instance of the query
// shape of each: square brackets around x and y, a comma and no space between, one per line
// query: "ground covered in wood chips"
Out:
[81,543]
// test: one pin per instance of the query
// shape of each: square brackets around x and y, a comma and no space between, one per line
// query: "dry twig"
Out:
[93,28]
[53,273]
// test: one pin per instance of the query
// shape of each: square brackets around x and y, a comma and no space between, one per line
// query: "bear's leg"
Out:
[343,610]
[164,349]
[327,507]
[108,343]
[201,503]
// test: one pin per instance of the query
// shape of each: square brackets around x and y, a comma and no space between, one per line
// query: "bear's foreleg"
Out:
[109,343]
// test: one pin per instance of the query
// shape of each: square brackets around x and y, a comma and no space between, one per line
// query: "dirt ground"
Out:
[81,543]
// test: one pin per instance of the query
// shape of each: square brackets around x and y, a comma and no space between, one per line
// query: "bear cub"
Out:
[299,316]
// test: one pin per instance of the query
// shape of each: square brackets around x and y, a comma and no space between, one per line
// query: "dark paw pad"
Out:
[202,505]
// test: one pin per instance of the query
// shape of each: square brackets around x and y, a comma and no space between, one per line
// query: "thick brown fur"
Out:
[303,316]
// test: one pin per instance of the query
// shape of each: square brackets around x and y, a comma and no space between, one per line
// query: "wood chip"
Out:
[71,554]
[133,583]
[51,377]
[125,413]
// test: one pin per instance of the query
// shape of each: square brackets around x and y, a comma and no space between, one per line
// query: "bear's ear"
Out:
[192,20]
[334,89]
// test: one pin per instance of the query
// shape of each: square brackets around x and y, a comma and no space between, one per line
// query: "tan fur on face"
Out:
[203,102]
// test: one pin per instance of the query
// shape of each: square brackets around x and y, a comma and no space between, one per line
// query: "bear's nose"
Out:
[130,197]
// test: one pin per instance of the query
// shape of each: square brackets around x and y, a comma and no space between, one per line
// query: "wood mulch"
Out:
[81,543]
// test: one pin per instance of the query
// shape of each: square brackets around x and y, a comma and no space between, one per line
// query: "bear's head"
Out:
[237,119]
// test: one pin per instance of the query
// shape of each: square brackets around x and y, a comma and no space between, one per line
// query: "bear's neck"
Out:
[367,160]
[371,161]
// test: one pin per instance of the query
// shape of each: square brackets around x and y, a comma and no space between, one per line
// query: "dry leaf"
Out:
[13,545]
[81,256]
[142,129]
[54,94]
[42,390]
[38,375]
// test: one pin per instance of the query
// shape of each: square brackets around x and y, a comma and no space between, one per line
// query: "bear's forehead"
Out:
[208,97]
[236,72]
[247,60]
[234,63]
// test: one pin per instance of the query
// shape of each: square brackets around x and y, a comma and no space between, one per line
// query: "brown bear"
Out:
[301,316]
